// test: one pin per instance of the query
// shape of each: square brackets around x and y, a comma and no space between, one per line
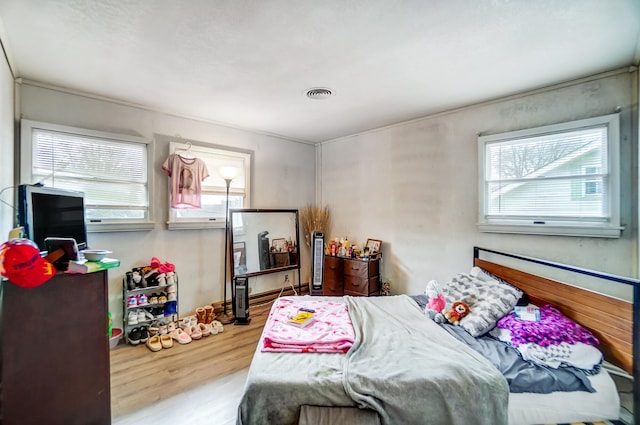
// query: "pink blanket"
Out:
[330,332]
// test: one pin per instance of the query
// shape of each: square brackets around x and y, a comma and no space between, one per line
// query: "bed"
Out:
[402,368]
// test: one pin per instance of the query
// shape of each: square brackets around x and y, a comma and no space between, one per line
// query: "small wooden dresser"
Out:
[349,276]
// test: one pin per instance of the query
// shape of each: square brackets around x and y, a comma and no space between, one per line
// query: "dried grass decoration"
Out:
[314,219]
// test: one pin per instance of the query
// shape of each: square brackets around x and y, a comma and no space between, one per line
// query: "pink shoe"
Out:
[194,332]
[205,329]
[181,336]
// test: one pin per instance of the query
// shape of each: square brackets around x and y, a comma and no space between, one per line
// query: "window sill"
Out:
[194,225]
[553,230]
[120,227]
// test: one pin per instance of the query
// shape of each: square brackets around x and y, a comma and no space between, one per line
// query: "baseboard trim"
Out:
[263,297]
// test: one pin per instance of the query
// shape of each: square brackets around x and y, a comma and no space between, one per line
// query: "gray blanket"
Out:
[403,366]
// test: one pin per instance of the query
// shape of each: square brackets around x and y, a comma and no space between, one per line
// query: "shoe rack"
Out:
[149,298]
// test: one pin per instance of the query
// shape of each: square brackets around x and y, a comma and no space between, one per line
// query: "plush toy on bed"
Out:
[435,303]
[459,309]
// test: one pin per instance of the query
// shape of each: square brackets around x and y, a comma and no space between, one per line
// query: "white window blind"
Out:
[112,170]
[214,188]
[560,179]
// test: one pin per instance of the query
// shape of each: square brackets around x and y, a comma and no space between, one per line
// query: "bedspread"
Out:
[330,332]
[402,366]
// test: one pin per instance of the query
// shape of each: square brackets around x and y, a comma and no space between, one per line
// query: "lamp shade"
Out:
[228,173]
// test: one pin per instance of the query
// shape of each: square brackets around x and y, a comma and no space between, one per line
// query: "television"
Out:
[46,212]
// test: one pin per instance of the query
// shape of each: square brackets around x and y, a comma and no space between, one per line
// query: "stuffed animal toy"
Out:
[435,302]
[459,309]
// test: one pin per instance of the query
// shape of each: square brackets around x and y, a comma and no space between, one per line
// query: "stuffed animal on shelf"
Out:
[436,302]
[459,309]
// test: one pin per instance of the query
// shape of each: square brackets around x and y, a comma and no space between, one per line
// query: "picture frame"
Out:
[374,245]
[277,245]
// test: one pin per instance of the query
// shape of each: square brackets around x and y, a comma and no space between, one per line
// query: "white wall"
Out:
[7,214]
[414,186]
[283,176]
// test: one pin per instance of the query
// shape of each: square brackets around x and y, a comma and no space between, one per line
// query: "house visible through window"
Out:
[111,169]
[560,179]
[214,189]
[592,186]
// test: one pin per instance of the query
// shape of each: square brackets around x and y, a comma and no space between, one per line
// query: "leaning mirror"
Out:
[263,241]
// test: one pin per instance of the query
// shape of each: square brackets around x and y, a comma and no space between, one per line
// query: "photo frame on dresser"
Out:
[374,246]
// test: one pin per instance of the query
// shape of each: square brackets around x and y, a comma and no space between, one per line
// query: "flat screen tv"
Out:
[47,212]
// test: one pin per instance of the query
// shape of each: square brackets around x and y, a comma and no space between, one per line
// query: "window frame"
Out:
[26,169]
[608,228]
[199,150]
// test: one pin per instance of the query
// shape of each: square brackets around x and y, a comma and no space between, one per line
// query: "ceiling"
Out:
[249,63]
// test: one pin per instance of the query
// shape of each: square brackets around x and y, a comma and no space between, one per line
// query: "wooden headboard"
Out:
[610,319]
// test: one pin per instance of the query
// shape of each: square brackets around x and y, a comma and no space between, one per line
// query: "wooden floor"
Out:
[186,383]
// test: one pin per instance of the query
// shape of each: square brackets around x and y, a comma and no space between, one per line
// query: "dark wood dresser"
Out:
[348,276]
[55,352]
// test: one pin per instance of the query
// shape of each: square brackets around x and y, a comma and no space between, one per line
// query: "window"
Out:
[560,179]
[214,188]
[112,170]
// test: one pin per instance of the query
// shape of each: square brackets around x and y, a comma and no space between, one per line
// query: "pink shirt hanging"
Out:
[186,176]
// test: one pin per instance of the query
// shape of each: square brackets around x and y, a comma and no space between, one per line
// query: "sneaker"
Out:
[158,312]
[171,288]
[134,336]
[170,276]
[132,318]
[130,283]
[141,316]
[161,280]
[144,334]
[148,315]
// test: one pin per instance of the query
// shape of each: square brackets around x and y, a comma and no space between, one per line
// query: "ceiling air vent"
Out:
[318,93]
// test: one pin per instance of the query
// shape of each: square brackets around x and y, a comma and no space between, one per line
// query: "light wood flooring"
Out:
[199,382]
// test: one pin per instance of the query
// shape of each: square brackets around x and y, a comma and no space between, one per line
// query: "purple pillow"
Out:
[552,329]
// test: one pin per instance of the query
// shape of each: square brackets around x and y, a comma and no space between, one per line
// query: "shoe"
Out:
[153,298]
[143,299]
[162,329]
[171,289]
[159,313]
[141,316]
[130,283]
[161,280]
[194,332]
[134,336]
[154,343]
[218,326]
[166,340]
[144,334]
[171,296]
[171,326]
[171,278]
[148,315]
[181,336]
[132,318]
[204,329]
[200,314]
[132,301]
[210,316]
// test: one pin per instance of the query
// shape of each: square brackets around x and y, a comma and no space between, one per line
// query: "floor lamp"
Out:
[228,174]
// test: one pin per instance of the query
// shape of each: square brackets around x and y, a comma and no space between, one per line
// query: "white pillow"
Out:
[488,301]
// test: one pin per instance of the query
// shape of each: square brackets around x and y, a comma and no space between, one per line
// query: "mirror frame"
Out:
[233,243]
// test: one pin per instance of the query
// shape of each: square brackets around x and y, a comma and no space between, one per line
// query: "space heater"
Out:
[241,301]
[317,262]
